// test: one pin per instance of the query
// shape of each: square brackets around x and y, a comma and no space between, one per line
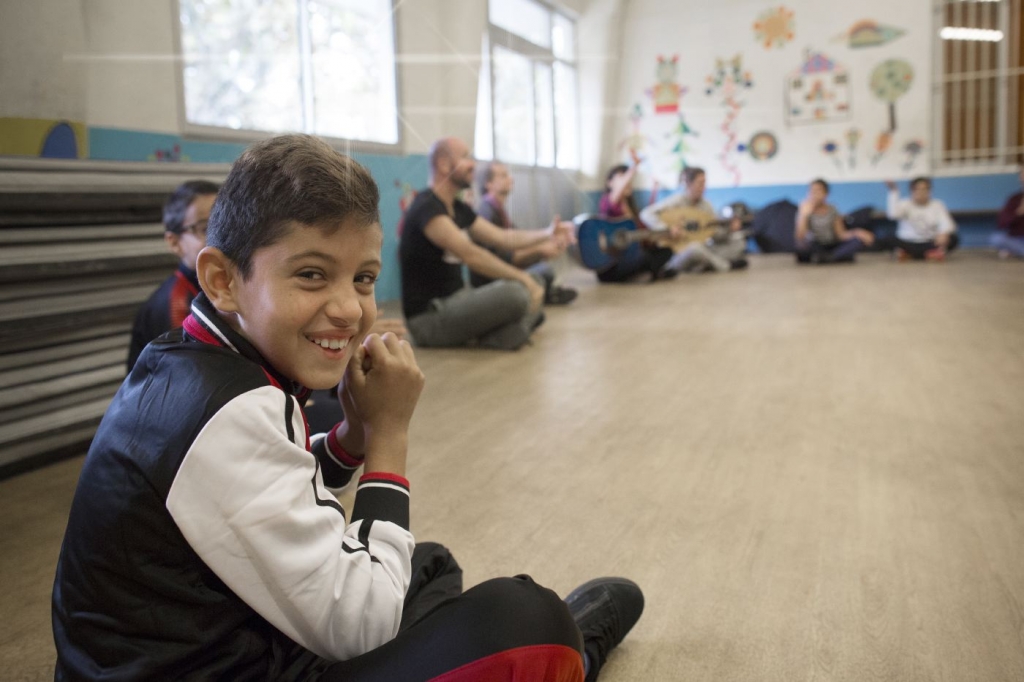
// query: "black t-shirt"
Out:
[426,274]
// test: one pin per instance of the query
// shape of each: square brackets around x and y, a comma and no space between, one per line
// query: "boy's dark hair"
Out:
[689,174]
[177,205]
[621,168]
[287,178]
[921,178]
[824,184]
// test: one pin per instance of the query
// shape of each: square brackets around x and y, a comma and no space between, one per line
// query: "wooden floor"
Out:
[813,473]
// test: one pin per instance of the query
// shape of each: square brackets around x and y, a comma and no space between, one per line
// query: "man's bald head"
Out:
[450,161]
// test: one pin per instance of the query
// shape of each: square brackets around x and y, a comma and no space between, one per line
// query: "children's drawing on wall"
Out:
[890,80]
[818,91]
[911,150]
[882,144]
[762,146]
[635,142]
[408,193]
[172,155]
[728,80]
[831,149]
[852,140]
[677,137]
[44,138]
[666,92]
[774,27]
[869,33]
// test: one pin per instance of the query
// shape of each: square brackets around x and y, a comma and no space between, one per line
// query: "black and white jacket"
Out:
[204,539]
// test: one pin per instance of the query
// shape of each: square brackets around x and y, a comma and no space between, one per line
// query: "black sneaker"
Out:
[604,609]
[560,296]
[738,264]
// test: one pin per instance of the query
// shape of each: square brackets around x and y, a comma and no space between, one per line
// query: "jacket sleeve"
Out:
[1008,214]
[252,504]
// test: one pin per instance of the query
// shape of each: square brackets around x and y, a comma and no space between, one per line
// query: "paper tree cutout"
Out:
[818,91]
[774,27]
[891,80]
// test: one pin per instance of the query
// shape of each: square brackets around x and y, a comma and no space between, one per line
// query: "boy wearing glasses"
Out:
[185,216]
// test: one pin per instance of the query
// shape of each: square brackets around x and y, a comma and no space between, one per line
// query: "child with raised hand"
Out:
[205,541]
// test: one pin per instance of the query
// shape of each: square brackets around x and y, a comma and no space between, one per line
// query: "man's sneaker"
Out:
[738,264]
[936,255]
[604,609]
[560,296]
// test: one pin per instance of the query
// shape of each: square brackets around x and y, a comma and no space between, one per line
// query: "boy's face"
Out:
[501,181]
[696,186]
[817,194]
[308,289]
[192,238]
[921,193]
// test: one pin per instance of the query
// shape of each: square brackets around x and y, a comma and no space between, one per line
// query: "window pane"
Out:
[525,18]
[241,67]
[513,107]
[545,115]
[566,116]
[563,38]
[483,147]
[353,63]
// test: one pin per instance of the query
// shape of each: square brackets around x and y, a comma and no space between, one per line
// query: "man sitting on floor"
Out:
[438,237]
[495,187]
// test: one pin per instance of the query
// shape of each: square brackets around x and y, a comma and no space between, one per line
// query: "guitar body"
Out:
[695,225]
[598,237]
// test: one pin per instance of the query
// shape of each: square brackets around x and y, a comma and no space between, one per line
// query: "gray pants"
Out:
[713,255]
[496,315]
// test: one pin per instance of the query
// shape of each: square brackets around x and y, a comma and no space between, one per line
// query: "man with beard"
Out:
[438,237]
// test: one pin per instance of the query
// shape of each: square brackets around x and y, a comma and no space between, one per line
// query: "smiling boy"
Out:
[204,540]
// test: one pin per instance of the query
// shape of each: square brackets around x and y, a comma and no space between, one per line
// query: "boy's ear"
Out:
[219,279]
[173,241]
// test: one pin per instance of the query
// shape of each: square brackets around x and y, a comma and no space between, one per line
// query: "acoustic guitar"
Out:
[604,242]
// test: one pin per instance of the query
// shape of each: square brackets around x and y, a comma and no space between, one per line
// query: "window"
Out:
[981,70]
[325,67]
[527,109]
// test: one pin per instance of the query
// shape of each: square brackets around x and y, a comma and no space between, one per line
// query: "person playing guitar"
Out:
[722,252]
[618,202]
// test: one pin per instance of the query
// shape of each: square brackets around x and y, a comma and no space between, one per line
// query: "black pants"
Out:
[502,629]
[917,250]
[654,260]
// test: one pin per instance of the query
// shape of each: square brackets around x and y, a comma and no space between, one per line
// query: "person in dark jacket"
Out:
[204,539]
[1009,238]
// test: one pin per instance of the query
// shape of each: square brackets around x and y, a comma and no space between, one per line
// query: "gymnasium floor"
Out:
[814,473]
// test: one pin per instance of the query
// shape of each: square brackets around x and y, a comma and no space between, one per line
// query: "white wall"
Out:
[36,81]
[699,32]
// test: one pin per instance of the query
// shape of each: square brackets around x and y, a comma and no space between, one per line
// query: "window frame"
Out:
[502,37]
[964,164]
[209,133]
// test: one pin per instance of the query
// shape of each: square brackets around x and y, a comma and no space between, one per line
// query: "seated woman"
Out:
[1009,238]
[618,202]
[925,229]
[723,252]
[821,234]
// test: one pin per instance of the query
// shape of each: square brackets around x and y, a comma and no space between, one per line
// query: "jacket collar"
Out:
[205,325]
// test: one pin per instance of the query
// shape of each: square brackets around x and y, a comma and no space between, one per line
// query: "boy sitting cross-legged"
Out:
[204,541]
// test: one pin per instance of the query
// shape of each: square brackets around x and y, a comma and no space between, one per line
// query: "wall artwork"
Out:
[818,91]
[677,136]
[852,140]
[911,150]
[891,80]
[43,138]
[762,146]
[869,33]
[882,144]
[666,92]
[173,155]
[774,27]
[831,149]
[727,80]
[635,142]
